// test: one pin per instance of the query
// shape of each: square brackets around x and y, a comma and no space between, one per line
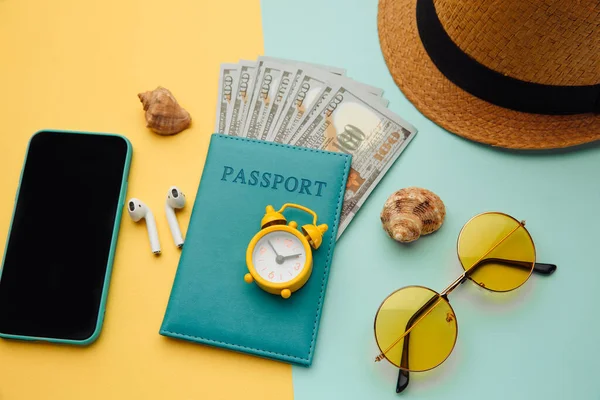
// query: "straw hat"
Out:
[511,73]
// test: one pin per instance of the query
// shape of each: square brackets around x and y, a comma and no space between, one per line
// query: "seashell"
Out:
[164,115]
[412,212]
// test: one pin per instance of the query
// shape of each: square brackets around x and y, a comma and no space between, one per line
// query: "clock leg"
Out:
[286,293]
[248,278]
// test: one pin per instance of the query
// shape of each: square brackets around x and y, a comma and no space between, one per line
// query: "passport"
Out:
[210,303]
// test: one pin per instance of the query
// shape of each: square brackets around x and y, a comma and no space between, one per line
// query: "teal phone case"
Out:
[115,233]
[210,303]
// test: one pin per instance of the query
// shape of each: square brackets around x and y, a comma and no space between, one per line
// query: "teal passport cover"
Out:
[210,303]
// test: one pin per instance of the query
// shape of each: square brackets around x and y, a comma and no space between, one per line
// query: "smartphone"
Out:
[61,242]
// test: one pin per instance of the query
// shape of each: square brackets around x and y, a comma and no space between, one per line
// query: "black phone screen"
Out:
[58,248]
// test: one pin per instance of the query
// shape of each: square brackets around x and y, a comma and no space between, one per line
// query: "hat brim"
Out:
[456,110]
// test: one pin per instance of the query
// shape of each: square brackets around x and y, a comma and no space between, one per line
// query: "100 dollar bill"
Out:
[305,65]
[267,84]
[367,88]
[314,89]
[227,81]
[308,90]
[354,123]
[287,83]
[323,98]
[242,97]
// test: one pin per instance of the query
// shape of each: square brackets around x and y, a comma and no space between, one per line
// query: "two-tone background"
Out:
[79,65]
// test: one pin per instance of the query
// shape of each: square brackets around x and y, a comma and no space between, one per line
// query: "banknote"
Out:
[367,88]
[314,88]
[334,70]
[249,74]
[265,92]
[304,65]
[376,92]
[333,84]
[285,98]
[309,89]
[323,98]
[242,96]
[286,84]
[354,123]
[383,101]
[227,81]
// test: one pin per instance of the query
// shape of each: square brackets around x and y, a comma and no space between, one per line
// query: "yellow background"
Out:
[79,65]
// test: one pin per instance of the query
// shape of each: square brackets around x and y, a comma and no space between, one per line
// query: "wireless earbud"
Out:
[138,210]
[175,199]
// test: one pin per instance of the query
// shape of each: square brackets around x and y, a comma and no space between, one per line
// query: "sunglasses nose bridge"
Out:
[454,285]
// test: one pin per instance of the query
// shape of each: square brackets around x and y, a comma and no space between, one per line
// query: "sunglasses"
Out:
[416,327]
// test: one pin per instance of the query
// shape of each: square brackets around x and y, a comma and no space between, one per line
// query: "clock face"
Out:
[279,257]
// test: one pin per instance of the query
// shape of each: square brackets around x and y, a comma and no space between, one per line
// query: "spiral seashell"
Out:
[412,212]
[163,114]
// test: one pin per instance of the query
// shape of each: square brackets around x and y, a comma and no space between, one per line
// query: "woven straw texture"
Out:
[540,41]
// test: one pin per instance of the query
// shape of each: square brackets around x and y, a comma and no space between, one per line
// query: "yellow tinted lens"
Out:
[433,333]
[504,267]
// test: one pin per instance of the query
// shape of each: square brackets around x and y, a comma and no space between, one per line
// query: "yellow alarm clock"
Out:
[279,256]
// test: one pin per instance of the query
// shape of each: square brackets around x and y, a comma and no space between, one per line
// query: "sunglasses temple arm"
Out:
[539,268]
[402,381]
[544,269]
[403,376]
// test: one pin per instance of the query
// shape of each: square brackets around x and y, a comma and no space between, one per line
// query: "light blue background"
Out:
[540,342]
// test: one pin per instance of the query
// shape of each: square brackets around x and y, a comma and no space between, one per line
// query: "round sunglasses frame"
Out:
[433,292]
[453,285]
[522,223]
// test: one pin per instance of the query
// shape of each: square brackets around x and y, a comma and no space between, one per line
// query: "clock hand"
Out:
[292,256]
[279,259]
[271,244]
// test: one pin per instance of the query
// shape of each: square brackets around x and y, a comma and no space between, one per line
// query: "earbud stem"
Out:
[152,232]
[174,226]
